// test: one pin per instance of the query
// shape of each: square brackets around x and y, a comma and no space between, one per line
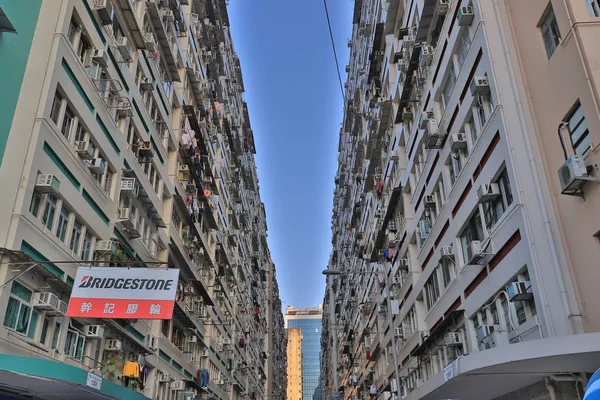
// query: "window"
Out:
[55,111]
[19,316]
[593,7]
[75,343]
[463,43]
[49,211]
[56,335]
[75,236]
[432,290]
[36,202]
[473,231]
[87,246]
[550,32]
[44,334]
[67,122]
[578,130]
[493,210]
[448,272]
[63,221]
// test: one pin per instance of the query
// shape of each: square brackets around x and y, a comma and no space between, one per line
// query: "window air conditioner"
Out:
[398,332]
[458,141]
[519,291]
[106,245]
[123,47]
[475,254]
[447,251]
[408,41]
[408,113]
[113,345]
[573,174]
[426,55]
[192,339]
[167,15]
[104,10]
[178,386]
[97,166]
[226,341]
[150,42]
[100,56]
[480,85]
[46,301]
[488,192]
[129,186]
[94,331]
[47,183]
[145,148]
[443,6]
[429,201]
[402,262]
[452,339]
[205,353]
[465,16]
[82,147]
[164,377]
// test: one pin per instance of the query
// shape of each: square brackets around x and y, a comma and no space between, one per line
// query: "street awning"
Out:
[492,373]
[38,378]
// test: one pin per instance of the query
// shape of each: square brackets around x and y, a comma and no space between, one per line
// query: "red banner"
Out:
[121,308]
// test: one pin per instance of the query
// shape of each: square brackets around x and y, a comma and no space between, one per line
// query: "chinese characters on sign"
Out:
[123,293]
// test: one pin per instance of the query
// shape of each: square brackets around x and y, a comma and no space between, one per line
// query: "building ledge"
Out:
[492,373]
[46,379]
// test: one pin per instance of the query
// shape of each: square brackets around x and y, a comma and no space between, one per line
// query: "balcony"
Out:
[166,47]
[131,10]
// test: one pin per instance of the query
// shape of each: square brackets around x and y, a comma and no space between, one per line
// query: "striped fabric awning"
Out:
[592,392]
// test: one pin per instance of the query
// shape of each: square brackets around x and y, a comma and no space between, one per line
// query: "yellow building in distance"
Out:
[294,364]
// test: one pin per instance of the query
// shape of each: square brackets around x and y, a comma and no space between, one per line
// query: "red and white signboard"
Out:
[123,293]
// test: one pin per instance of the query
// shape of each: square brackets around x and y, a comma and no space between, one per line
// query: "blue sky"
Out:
[296,108]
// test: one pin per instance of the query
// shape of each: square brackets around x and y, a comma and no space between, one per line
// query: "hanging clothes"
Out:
[143,377]
[131,369]
[373,389]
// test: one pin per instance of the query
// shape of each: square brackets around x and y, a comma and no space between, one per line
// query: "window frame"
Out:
[22,302]
[551,36]
[574,127]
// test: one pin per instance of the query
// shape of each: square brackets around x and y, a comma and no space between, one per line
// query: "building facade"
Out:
[294,364]
[460,257]
[126,141]
[308,320]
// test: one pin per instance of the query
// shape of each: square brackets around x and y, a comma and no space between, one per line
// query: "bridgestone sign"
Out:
[123,293]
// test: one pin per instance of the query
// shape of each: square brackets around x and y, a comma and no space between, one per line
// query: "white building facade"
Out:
[444,235]
[127,142]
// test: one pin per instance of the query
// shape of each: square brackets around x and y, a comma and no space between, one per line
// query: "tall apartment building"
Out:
[462,261]
[294,364]
[125,140]
[308,320]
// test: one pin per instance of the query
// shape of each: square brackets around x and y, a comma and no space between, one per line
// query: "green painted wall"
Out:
[14,53]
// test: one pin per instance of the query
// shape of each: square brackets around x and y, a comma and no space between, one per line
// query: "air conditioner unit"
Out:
[147,83]
[123,47]
[488,192]
[97,166]
[129,186]
[47,183]
[465,16]
[368,341]
[443,6]
[192,339]
[46,301]
[573,174]
[402,262]
[408,113]
[484,331]
[458,141]
[167,15]
[106,246]
[379,213]
[408,41]
[398,332]
[217,288]
[189,289]
[424,228]
[519,291]
[113,345]
[126,218]
[164,377]
[152,342]
[480,85]
[145,149]
[93,331]
[226,341]
[447,251]
[452,339]
[205,353]
[475,254]
[100,56]
[427,55]
[430,201]
[104,10]
[178,385]
[150,42]
[82,148]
